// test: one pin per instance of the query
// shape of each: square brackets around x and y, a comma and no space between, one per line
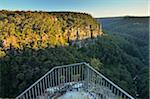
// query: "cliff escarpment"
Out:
[19,29]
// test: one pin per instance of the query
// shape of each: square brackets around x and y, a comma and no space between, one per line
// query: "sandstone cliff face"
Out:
[78,26]
[82,33]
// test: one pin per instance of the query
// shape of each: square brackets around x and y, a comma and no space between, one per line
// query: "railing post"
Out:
[88,78]
[69,73]
[111,88]
[23,97]
[35,92]
[117,93]
[38,88]
[41,87]
[46,82]
[66,75]
[56,77]
[80,73]
[43,81]
[53,83]
[26,95]
[32,92]
[50,80]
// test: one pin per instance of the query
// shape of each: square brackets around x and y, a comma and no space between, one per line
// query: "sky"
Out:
[97,8]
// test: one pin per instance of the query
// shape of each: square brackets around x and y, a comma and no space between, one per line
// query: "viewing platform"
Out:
[74,81]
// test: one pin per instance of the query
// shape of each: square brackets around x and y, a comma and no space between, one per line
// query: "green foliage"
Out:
[131,34]
[143,83]
[96,64]
[117,63]
[20,70]
[2,54]
[31,43]
[39,30]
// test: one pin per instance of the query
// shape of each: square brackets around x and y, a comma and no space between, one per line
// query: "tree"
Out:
[96,64]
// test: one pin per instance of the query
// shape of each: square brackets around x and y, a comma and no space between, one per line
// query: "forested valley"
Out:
[31,43]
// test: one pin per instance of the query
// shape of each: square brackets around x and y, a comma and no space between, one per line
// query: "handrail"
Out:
[46,75]
[109,81]
[34,83]
[55,73]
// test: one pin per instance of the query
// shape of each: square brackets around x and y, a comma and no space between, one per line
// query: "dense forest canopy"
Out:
[31,43]
[132,35]
[39,30]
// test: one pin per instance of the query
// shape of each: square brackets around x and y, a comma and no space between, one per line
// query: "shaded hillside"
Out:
[133,26]
[133,29]
[132,34]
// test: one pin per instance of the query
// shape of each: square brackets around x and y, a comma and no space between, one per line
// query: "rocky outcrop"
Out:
[82,33]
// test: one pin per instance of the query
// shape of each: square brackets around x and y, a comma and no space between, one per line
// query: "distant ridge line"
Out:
[123,17]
